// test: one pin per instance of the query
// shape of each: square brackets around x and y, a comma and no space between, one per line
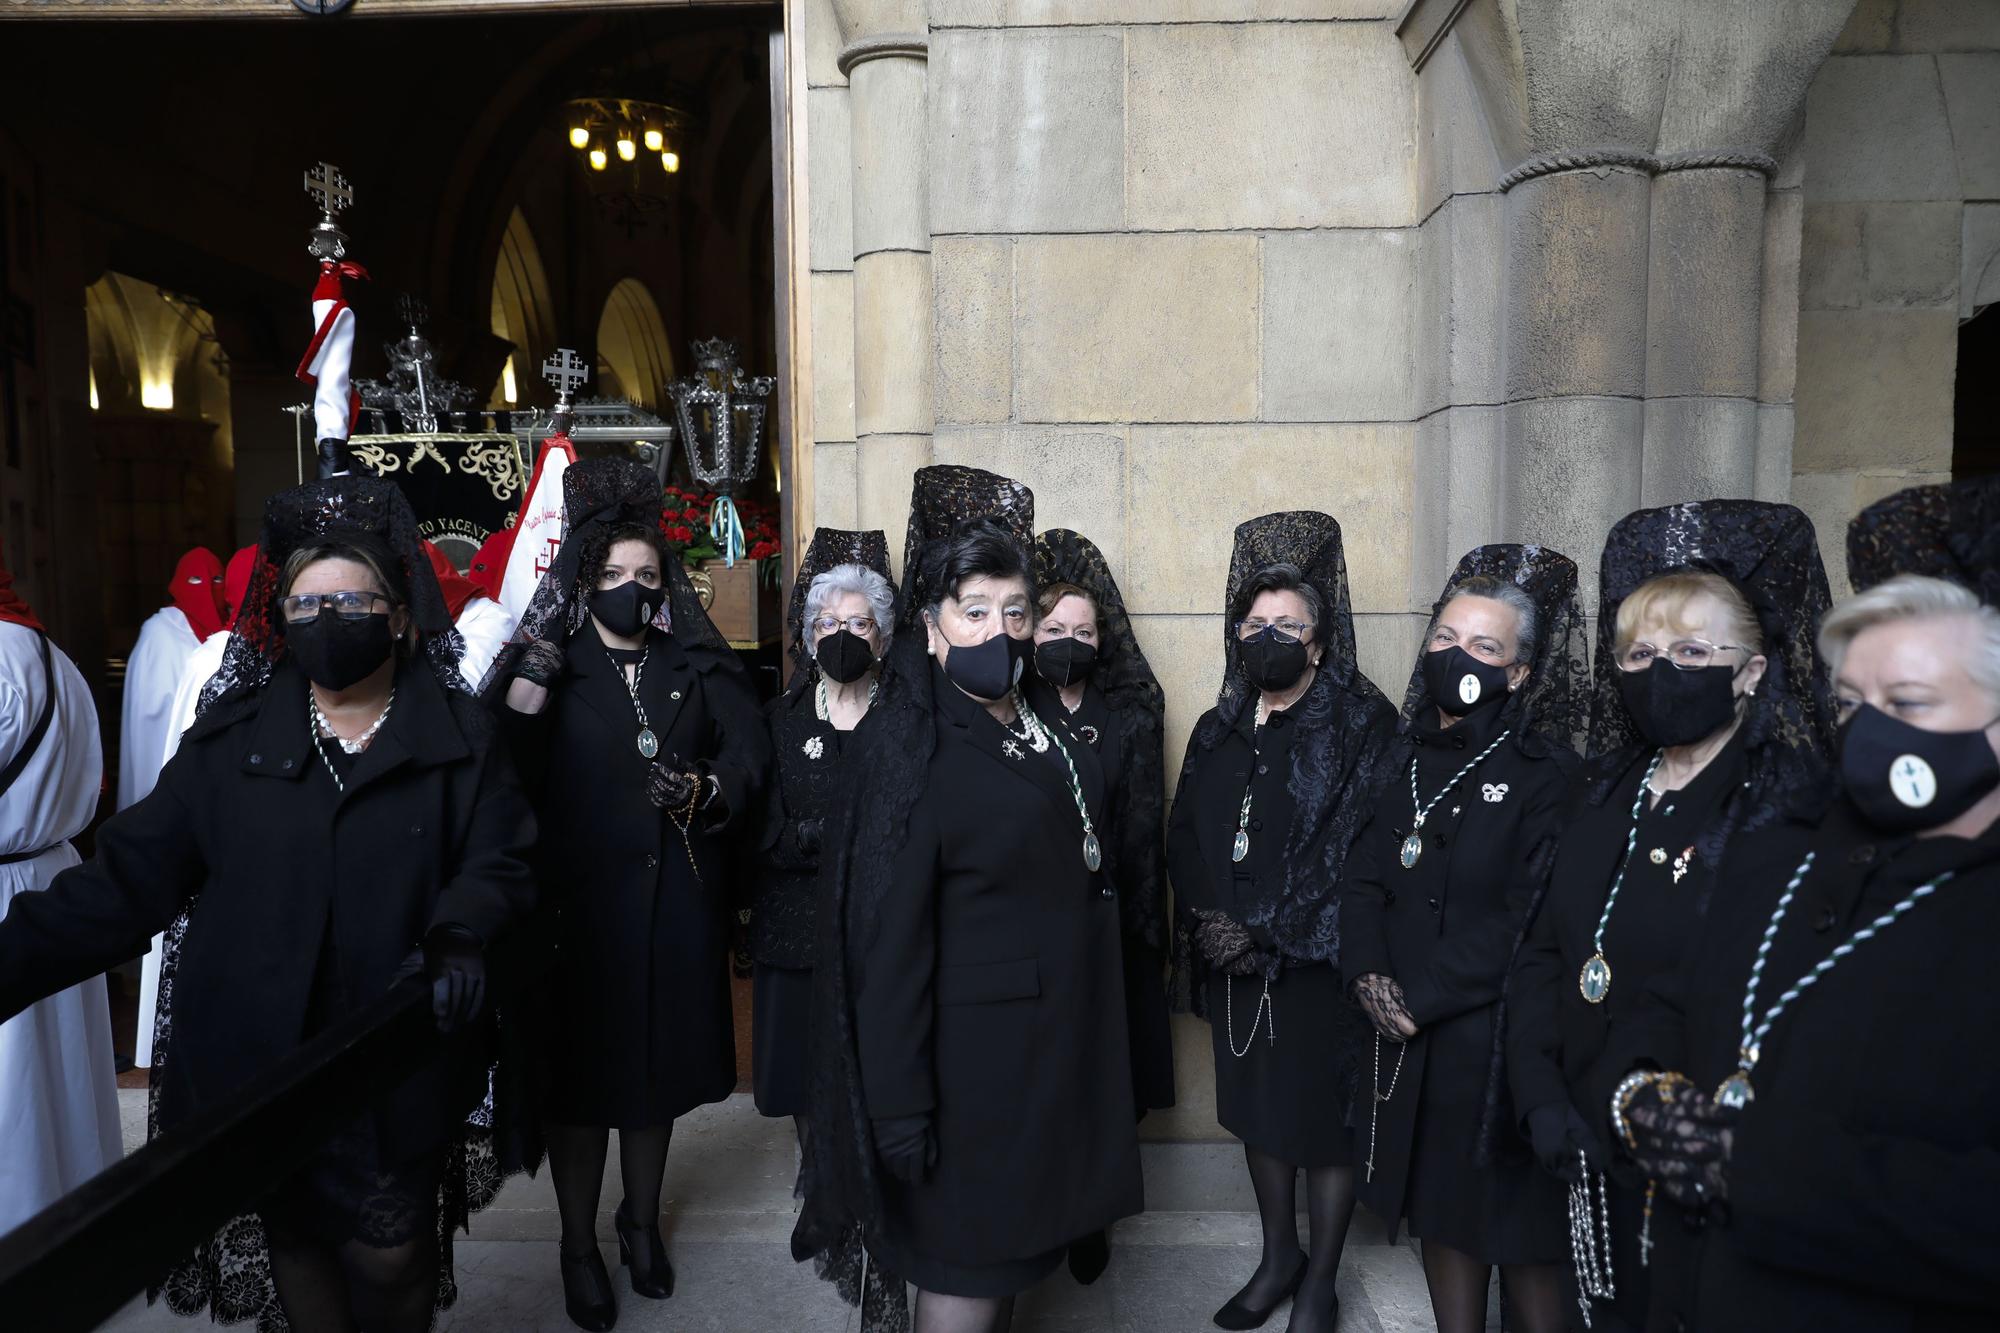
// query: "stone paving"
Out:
[729,1217]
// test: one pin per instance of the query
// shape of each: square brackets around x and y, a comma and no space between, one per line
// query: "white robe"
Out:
[58,1084]
[151,673]
[202,663]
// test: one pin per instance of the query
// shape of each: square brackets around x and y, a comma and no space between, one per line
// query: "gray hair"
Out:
[1528,632]
[1915,597]
[857,579]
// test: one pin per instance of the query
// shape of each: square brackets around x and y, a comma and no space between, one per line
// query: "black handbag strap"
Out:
[41,727]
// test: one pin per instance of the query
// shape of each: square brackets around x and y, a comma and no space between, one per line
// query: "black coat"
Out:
[432,830]
[1445,930]
[992,998]
[806,753]
[641,1024]
[1863,1175]
[1152,1039]
[1201,830]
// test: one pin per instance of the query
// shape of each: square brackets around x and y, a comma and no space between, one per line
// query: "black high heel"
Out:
[587,1292]
[642,1251]
[1238,1314]
[1089,1257]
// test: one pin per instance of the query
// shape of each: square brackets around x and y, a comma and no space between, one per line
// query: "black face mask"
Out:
[843,656]
[1460,683]
[1269,665]
[1670,706]
[987,670]
[1065,661]
[1903,778]
[627,609]
[335,653]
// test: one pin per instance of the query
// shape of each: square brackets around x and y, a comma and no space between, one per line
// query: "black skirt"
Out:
[994,1281]
[1284,1095]
[780,1028]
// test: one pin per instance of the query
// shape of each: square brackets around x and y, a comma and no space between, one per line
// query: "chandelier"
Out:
[630,150]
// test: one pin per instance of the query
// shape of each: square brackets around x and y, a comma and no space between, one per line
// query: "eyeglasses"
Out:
[1283,631]
[348,605]
[1686,654]
[859,626]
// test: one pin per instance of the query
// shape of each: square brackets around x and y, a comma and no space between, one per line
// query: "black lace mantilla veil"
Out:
[830,548]
[942,495]
[229,1276]
[1140,705]
[843,1205]
[1949,532]
[1333,781]
[599,493]
[1771,553]
[1555,706]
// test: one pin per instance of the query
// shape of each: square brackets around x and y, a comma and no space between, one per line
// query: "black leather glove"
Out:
[540,662]
[906,1146]
[334,459]
[808,834]
[670,787]
[455,961]
[1563,1142]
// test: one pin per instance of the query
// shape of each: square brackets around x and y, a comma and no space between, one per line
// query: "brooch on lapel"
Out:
[1089,733]
[1683,863]
[815,747]
[1494,792]
[1011,750]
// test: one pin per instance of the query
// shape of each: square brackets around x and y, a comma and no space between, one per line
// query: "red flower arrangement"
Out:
[684,523]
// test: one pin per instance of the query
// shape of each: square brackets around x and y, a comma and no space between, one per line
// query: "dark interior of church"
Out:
[159,226]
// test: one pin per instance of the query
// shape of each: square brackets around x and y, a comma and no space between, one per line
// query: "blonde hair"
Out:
[1915,597]
[1668,596]
[1055,592]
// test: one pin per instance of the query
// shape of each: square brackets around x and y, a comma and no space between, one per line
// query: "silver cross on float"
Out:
[332,193]
[567,372]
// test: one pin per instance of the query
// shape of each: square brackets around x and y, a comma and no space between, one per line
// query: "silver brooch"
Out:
[1494,792]
[1012,750]
[1683,863]
[1089,733]
[815,747]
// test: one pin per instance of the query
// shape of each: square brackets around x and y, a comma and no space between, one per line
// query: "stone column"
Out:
[886,63]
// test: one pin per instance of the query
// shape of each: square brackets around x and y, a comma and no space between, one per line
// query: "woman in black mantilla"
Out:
[1811,1095]
[1090,669]
[1709,696]
[973,1095]
[1439,888]
[336,752]
[1277,780]
[842,617]
[643,749]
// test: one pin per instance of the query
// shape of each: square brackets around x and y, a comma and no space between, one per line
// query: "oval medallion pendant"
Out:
[1413,847]
[1241,848]
[649,744]
[1735,1092]
[1595,979]
[1093,854]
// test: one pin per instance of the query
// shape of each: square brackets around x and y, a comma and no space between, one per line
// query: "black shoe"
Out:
[587,1292]
[642,1251]
[1089,1257]
[1239,1314]
[1309,1300]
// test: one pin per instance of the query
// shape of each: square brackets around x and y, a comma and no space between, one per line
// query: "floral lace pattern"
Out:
[1950,532]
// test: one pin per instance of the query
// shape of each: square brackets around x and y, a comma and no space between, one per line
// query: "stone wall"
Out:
[1902,168]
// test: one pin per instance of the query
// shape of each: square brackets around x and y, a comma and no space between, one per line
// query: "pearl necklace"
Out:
[321,727]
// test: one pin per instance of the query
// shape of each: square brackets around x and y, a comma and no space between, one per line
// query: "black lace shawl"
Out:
[1555,705]
[300,516]
[599,493]
[1340,754]
[1948,532]
[1770,552]
[1550,718]
[1134,695]
[829,549]
[228,1277]
[940,497]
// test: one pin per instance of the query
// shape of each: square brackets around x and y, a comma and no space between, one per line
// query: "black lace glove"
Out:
[1382,999]
[906,1146]
[540,662]
[1682,1139]
[807,833]
[671,788]
[1563,1142]
[455,961]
